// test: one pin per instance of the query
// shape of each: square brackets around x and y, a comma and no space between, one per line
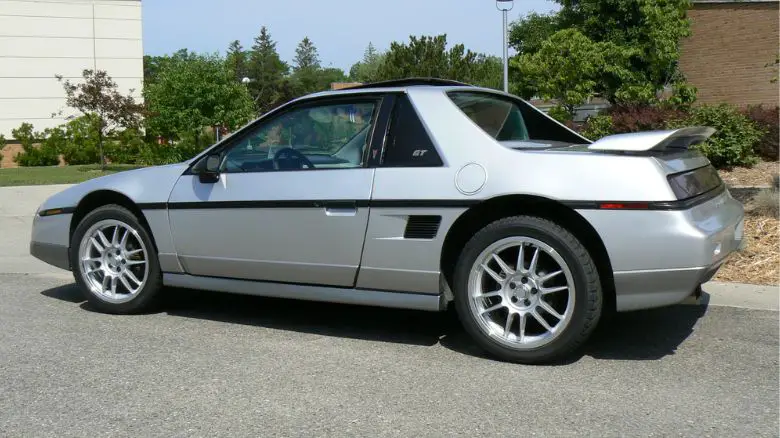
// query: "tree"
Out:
[307,72]
[647,32]
[366,70]
[194,91]
[236,60]
[527,34]
[427,56]
[306,56]
[99,95]
[266,71]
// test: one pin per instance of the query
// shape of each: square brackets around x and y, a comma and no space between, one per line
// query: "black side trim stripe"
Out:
[682,204]
[435,203]
[152,206]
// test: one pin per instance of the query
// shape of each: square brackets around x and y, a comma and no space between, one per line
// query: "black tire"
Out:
[588,293]
[147,296]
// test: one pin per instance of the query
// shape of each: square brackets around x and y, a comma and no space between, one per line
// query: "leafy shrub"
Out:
[32,155]
[736,138]
[635,118]
[126,148]
[631,118]
[81,146]
[769,120]
[597,127]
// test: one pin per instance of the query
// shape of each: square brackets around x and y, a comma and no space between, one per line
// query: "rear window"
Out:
[512,120]
[499,118]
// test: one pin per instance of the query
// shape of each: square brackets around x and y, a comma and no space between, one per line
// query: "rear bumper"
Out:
[55,255]
[659,258]
[637,290]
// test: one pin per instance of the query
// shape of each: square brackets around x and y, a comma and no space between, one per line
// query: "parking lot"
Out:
[214,364]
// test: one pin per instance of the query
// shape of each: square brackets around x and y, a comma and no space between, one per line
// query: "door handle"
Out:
[340,209]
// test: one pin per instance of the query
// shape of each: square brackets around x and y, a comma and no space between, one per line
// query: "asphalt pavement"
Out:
[211,364]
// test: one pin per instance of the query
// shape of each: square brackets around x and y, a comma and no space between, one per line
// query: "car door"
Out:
[291,200]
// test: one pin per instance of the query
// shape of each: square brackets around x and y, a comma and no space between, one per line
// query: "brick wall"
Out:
[726,54]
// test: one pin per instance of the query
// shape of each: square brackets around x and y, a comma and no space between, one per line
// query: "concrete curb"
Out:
[747,296]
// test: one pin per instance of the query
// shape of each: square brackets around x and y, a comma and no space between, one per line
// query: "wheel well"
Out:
[105,197]
[494,209]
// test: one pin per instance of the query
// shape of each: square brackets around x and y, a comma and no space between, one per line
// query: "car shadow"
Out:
[640,335]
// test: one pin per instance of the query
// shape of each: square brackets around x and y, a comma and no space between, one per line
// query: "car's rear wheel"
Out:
[114,262]
[527,290]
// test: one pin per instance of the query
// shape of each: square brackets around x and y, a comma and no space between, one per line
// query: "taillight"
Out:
[694,182]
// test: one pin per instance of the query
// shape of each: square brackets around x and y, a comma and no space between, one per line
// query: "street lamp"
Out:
[505,6]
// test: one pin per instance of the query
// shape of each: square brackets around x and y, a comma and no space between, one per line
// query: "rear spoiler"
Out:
[653,141]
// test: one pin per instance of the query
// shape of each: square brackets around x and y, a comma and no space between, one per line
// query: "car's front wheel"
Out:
[114,262]
[527,290]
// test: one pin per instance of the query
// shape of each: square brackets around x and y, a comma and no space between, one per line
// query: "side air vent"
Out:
[422,227]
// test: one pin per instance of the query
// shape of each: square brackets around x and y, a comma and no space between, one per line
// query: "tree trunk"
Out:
[100,147]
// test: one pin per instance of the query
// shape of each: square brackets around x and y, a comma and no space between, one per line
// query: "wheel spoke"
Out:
[135,262]
[103,239]
[549,276]
[105,283]
[509,320]
[96,245]
[523,319]
[501,264]
[93,260]
[134,252]
[493,274]
[113,286]
[520,258]
[541,321]
[549,309]
[115,236]
[132,277]
[492,308]
[488,294]
[126,283]
[550,290]
[534,261]
[123,242]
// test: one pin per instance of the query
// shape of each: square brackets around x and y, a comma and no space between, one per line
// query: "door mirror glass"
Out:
[212,164]
[210,172]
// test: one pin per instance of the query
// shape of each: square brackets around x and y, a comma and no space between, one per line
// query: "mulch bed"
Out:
[759,262]
[759,175]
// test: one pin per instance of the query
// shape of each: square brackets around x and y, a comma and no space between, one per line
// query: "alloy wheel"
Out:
[114,261]
[521,292]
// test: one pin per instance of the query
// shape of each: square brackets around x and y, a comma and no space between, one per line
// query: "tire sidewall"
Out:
[536,229]
[146,295]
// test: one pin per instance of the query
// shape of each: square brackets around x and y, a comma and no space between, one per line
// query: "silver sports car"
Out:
[418,194]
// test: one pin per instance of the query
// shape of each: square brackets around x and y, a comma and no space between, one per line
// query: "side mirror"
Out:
[209,174]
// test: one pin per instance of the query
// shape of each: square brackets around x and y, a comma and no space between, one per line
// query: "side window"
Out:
[499,118]
[328,135]
[408,144]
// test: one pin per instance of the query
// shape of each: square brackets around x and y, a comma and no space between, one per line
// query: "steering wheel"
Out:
[288,153]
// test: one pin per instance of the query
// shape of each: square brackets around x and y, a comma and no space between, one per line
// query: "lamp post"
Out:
[505,6]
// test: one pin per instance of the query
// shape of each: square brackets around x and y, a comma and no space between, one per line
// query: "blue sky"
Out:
[341,29]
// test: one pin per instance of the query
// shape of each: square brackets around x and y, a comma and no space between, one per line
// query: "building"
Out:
[42,38]
[727,54]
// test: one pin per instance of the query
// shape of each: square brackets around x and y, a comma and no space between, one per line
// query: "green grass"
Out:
[27,176]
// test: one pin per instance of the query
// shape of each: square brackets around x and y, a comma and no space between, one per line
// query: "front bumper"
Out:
[49,240]
[55,255]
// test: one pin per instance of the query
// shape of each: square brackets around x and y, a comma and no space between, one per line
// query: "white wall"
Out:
[42,38]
